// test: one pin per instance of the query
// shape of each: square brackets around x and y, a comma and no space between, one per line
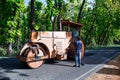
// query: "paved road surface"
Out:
[12,69]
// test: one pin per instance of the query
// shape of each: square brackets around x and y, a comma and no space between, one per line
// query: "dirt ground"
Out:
[111,71]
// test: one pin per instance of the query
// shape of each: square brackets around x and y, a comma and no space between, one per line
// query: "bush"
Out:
[3,52]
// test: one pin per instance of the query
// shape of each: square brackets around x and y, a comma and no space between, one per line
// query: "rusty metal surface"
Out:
[71,24]
[54,40]
[54,44]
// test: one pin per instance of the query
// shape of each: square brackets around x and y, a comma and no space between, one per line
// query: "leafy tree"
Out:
[100,23]
[10,11]
[100,19]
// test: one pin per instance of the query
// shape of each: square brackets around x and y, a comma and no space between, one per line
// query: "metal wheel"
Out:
[34,63]
[83,49]
[31,54]
[71,51]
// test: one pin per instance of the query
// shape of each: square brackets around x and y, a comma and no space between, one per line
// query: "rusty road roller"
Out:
[50,44]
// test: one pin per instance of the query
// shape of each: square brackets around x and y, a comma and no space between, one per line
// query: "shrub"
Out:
[2,51]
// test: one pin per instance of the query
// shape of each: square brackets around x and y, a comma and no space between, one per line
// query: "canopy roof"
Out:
[71,24]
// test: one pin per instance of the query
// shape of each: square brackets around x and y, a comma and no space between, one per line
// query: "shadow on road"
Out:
[59,63]
[4,78]
[10,66]
[94,57]
[91,57]
[11,63]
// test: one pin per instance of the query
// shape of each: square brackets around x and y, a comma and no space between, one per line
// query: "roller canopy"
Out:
[71,24]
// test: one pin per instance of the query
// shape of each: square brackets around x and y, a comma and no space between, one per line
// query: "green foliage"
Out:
[37,15]
[101,23]
[2,51]
[11,22]
[101,20]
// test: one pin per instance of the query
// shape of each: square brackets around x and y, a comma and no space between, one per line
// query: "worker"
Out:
[74,33]
[78,47]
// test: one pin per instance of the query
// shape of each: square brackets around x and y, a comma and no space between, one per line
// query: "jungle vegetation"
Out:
[100,19]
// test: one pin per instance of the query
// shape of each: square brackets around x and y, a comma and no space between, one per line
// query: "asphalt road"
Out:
[12,69]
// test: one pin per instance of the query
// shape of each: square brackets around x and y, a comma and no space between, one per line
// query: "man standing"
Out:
[78,45]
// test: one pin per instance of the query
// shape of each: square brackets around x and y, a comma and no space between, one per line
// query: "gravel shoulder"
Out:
[111,71]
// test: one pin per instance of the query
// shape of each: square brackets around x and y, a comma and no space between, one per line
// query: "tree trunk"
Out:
[104,34]
[90,30]
[9,50]
[54,24]
[80,11]
[31,24]
[58,23]
[79,14]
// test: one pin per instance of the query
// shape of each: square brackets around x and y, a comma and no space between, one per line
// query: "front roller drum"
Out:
[31,54]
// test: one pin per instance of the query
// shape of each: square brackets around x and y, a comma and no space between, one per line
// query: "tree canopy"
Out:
[99,17]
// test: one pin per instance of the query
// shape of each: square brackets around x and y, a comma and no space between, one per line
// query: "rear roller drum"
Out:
[83,49]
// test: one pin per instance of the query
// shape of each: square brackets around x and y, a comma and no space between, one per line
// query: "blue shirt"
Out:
[78,45]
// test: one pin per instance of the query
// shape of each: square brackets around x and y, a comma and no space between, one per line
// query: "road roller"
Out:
[44,45]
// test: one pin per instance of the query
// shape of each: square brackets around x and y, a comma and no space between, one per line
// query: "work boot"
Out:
[82,64]
[78,66]
[75,66]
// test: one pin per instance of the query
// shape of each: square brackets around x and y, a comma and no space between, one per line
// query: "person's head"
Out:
[78,38]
